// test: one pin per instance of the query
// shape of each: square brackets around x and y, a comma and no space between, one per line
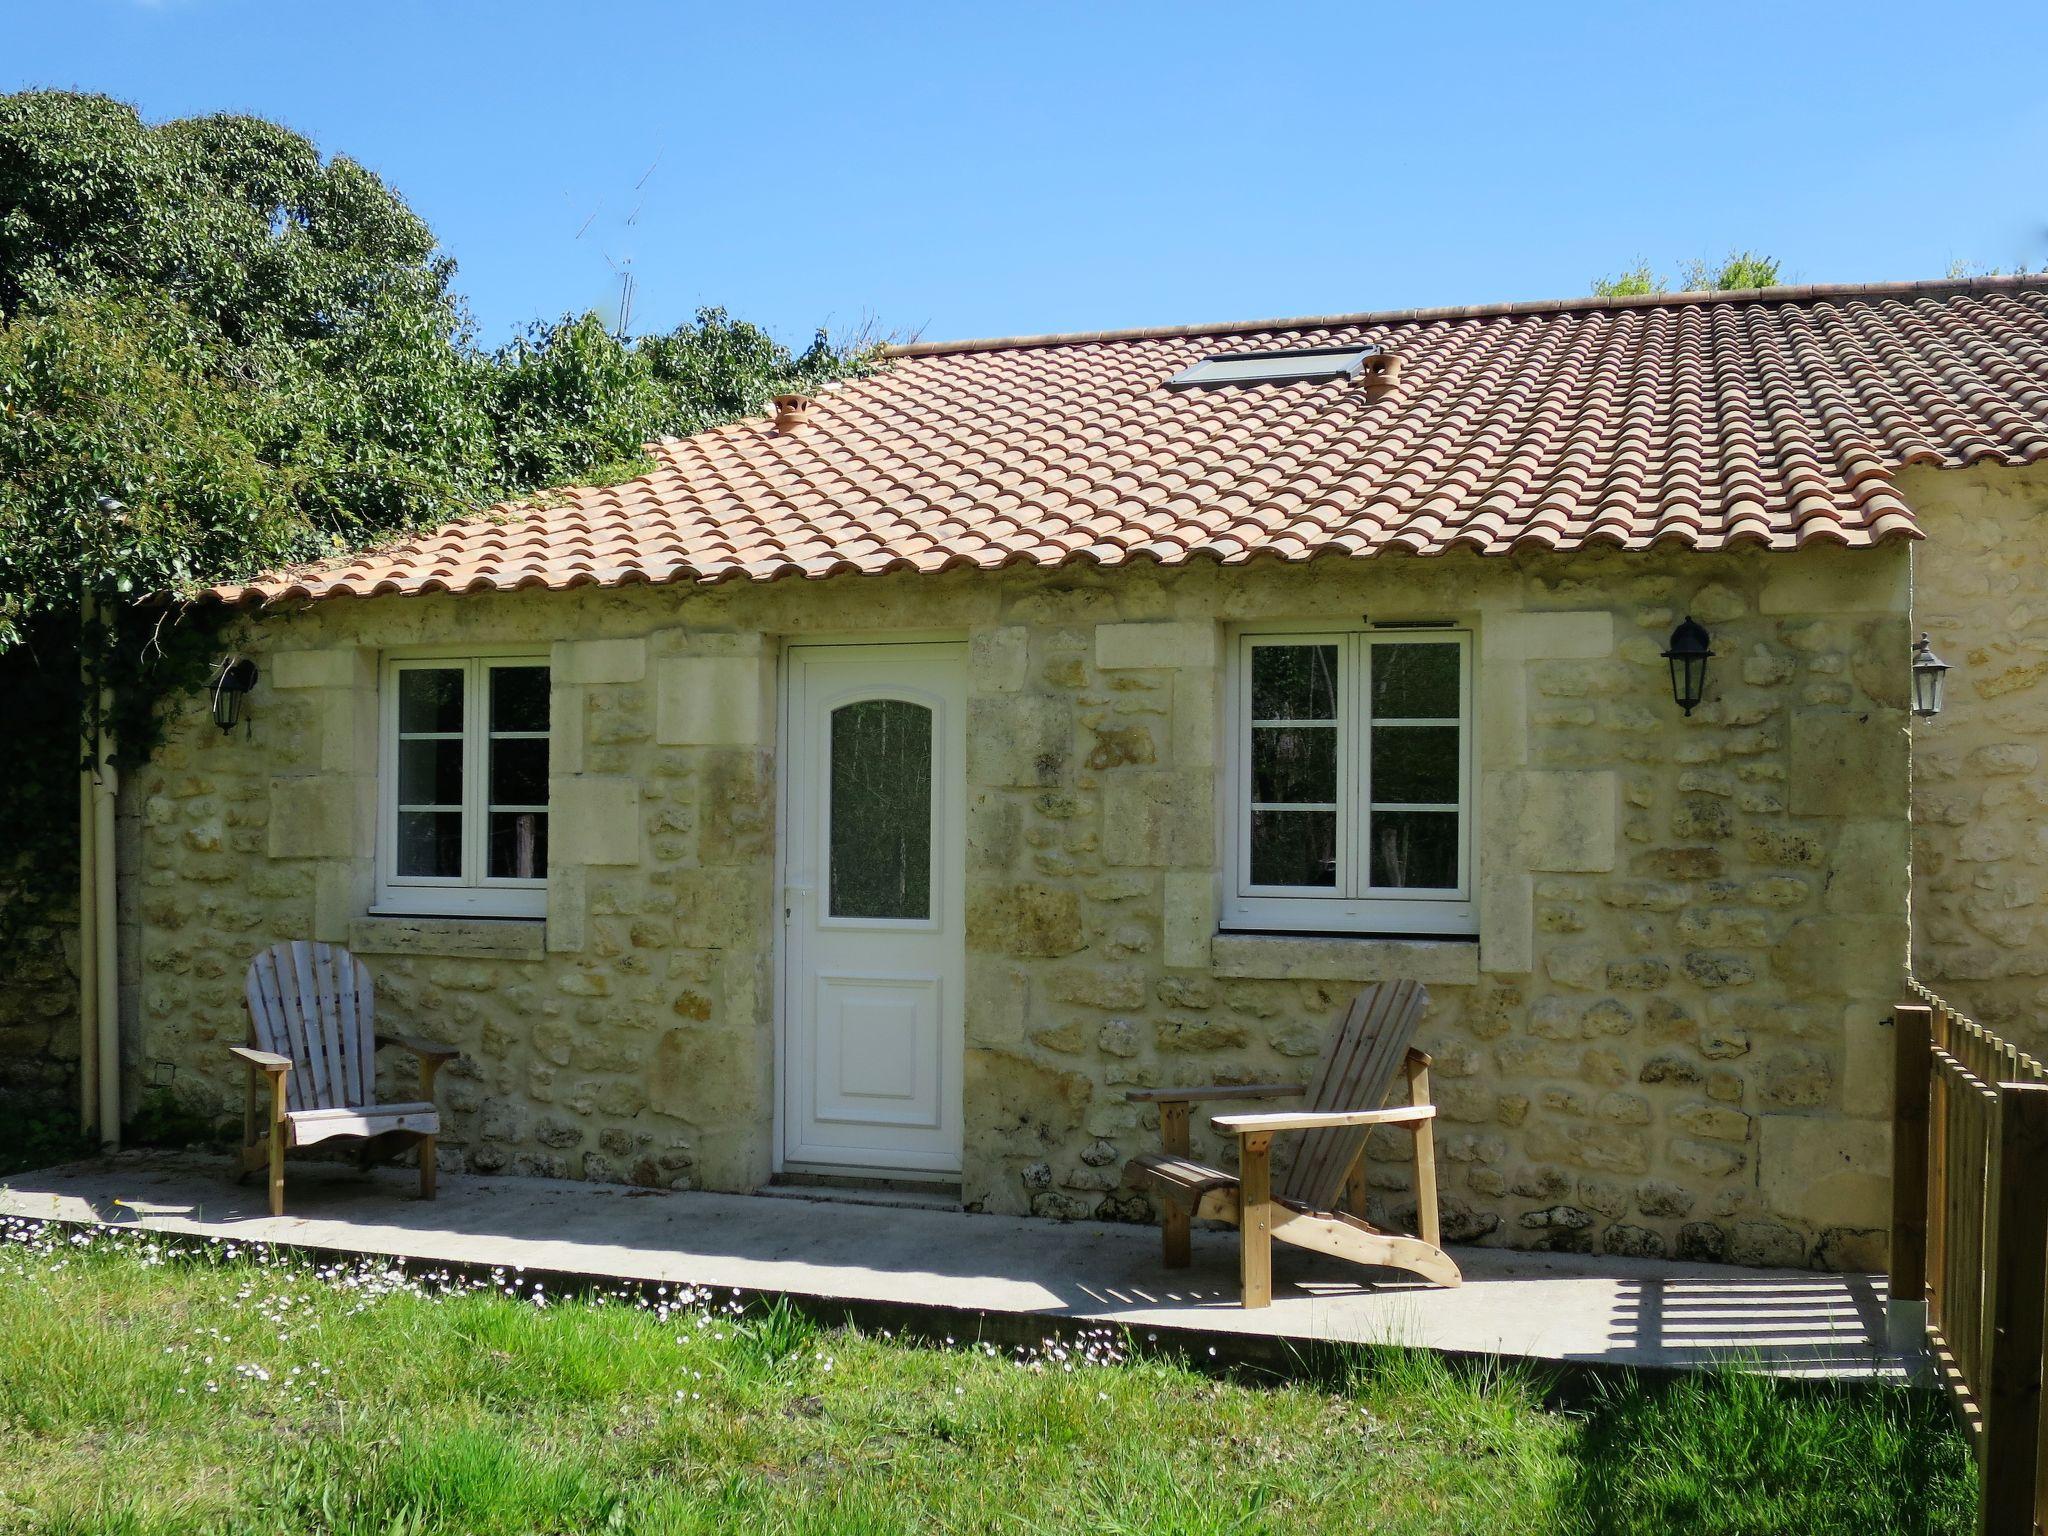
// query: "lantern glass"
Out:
[1930,672]
[237,677]
[1688,655]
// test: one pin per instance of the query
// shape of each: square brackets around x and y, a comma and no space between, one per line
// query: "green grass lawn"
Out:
[148,1389]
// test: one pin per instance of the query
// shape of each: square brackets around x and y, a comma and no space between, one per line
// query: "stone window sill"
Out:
[1291,957]
[458,938]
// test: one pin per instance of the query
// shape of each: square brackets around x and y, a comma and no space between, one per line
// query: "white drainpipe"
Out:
[88,943]
[99,981]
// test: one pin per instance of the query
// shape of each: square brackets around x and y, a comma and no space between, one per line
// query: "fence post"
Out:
[1906,1296]
[2019,1267]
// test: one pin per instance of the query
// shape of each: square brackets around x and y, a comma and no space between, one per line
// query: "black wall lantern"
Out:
[1688,657]
[237,677]
[1929,673]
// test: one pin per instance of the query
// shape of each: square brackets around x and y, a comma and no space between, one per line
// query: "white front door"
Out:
[874,820]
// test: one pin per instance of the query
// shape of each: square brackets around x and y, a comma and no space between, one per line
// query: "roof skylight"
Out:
[1273,367]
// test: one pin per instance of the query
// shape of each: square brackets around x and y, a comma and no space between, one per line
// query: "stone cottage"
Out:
[881,790]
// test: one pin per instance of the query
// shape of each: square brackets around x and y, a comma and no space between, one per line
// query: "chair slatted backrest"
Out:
[1357,1068]
[315,1003]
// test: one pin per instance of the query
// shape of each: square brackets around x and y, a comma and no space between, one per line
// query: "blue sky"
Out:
[965,170]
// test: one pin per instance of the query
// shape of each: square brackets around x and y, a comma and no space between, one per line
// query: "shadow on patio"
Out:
[997,1276]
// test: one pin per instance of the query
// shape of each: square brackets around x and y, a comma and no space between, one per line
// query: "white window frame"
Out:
[473,893]
[1354,906]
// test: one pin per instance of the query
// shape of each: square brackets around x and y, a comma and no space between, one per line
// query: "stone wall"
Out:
[1980,796]
[1669,1037]
[39,1024]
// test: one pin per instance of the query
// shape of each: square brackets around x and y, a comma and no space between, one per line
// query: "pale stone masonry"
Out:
[1670,1036]
[1980,792]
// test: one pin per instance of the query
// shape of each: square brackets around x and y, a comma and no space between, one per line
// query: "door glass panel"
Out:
[880,810]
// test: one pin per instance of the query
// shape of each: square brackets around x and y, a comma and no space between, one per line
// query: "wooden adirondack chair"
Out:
[312,1009]
[1344,1097]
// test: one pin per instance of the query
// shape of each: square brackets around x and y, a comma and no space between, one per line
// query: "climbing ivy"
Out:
[221,351]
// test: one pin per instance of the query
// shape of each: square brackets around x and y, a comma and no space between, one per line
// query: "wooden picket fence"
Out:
[1970,1240]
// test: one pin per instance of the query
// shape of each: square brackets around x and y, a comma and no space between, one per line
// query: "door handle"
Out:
[795,891]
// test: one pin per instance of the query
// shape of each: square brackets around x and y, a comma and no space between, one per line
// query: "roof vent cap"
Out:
[792,412]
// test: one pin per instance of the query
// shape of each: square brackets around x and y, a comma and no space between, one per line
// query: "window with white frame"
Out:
[1351,783]
[463,786]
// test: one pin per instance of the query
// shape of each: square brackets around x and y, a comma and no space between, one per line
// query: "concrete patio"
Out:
[1006,1279]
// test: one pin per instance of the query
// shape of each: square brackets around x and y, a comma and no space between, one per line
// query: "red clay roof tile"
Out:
[1775,418]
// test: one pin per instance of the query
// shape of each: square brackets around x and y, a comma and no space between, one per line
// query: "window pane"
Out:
[1415,764]
[881,810]
[1294,682]
[430,771]
[519,771]
[430,699]
[1415,682]
[518,845]
[1294,848]
[430,844]
[1415,850]
[1292,764]
[519,698]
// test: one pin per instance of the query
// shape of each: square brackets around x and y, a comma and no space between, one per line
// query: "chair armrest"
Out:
[1418,1058]
[1215,1091]
[268,1061]
[1317,1120]
[420,1048]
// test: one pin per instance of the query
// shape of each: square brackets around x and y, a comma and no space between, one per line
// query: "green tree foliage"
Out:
[1737,270]
[259,354]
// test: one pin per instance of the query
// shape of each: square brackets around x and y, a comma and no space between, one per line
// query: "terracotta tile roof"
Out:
[1776,417]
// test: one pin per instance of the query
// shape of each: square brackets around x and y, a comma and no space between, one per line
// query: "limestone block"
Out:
[999,660]
[713,701]
[1433,962]
[594,820]
[1834,958]
[1155,820]
[1868,868]
[580,662]
[345,667]
[313,818]
[1124,646]
[1846,760]
[998,1001]
[1020,740]
[568,905]
[346,721]
[1549,636]
[1190,918]
[1826,1171]
[1554,820]
[341,893]
[1829,581]
[1506,921]
[1197,713]
[568,708]
[1030,919]
[466,938]
[1021,1108]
